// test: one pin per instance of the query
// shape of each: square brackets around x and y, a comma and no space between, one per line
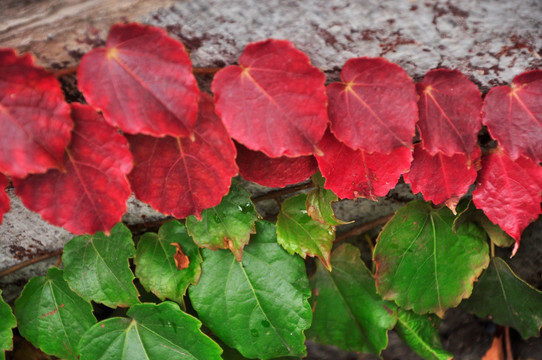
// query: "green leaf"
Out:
[259,305]
[156,268]
[319,201]
[97,268]
[158,332]
[418,332]
[298,233]
[468,212]
[228,225]
[422,264]
[507,299]
[7,322]
[348,313]
[51,316]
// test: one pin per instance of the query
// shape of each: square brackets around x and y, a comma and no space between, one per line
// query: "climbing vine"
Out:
[147,129]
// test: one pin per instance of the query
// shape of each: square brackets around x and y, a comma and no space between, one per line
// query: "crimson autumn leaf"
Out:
[355,173]
[34,118]
[4,199]
[509,192]
[255,166]
[182,177]
[374,107]
[450,106]
[91,194]
[442,178]
[513,116]
[142,81]
[274,101]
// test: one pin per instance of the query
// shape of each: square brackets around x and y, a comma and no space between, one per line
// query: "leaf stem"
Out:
[492,248]
[508,345]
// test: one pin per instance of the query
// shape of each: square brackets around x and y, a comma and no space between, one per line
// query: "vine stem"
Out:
[278,193]
[364,228]
[24,264]
[58,73]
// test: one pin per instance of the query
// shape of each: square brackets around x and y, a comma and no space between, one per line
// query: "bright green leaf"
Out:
[509,300]
[7,322]
[228,225]
[319,201]
[422,264]
[298,233]
[348,313]
[418,332]
[97,268]
[259,305]
[51,316]
[156,267]
[154,332]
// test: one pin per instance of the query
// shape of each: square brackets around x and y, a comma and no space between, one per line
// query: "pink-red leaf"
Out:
[91,194]
[374,107]
[450,118]
[142,81]
[182,177]
[274,101]
[442,178]
[255,166]
[509,192]
[35,121]
[4,199]
[355,173]
[513,116]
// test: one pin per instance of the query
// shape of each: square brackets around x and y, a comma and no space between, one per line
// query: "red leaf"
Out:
[441,178]
[374,107]
[509,192]
[91,194]
[142,81]
[450,106]
[4,199]
[181,177]
[34,118]
[274,101]
[355,173]
[255,166]
[514,116]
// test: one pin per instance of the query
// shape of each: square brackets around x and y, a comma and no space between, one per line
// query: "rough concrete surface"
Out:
[490,41]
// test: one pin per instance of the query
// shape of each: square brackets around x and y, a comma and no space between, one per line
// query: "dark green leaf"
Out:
[97,268]
[422,264]
[258,306]
[154,332]
[348,313]
[418,332]
[319,201]
[228,225]
[468,212]
[298,233]
[51,316]
[7,322]
[507,299]
[155,262]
